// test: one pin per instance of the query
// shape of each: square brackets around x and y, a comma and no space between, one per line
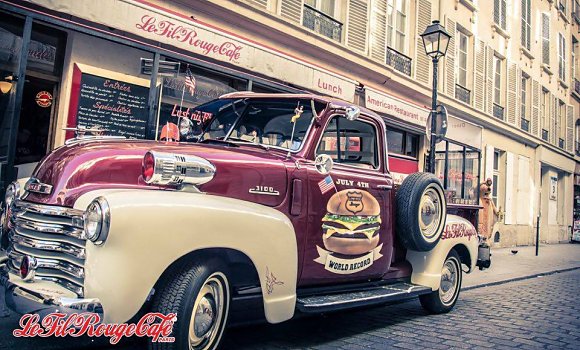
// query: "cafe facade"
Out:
[120,66]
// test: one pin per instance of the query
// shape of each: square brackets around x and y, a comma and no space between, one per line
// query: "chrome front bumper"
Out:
[26,301]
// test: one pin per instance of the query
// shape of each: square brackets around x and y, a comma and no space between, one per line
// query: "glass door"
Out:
[14,37]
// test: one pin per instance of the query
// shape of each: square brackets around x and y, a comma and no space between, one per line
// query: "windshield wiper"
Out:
[219,141]
[249,142]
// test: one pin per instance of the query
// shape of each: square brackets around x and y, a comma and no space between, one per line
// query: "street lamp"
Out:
[435,40]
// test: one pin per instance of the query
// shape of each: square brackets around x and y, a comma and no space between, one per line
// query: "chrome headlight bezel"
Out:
[12,193]
[97,221]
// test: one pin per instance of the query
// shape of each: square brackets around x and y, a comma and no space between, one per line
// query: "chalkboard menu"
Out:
[117,107]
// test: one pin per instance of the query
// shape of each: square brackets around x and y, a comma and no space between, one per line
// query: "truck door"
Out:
[349,234]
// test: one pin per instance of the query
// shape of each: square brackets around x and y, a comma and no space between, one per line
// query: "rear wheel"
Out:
[444,299]
[200,296]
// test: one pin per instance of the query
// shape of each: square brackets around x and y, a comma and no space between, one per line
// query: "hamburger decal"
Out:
[350,232]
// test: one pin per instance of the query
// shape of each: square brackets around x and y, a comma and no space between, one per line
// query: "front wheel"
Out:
[444,299]
[199,294]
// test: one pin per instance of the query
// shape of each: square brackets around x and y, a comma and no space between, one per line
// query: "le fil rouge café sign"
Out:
[152,22]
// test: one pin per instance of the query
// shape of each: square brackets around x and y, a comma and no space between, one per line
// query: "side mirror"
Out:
[352,113]
[323,163]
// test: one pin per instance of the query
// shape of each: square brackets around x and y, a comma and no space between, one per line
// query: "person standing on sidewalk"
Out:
[490,214]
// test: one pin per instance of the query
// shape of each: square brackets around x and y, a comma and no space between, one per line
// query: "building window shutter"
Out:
[263,4]
[513,95]
[450,59]
[490,79]
[378,29]
[545,38]
[479,75]
[357,25]
[291,10]
[422,63]
[570,128]
[535,122]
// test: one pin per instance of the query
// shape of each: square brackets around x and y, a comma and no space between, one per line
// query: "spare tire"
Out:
[421,211]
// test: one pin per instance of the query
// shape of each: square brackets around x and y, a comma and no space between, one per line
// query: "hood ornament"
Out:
[34,185]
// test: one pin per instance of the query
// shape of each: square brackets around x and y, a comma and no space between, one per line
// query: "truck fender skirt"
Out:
[151,229]
[458,234]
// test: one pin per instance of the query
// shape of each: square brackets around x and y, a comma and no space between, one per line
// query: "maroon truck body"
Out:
[83,166]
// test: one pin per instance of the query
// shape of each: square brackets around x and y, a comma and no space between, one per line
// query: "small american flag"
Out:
[326,184]
[190,81]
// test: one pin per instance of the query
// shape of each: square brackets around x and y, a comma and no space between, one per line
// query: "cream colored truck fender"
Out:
[427,266]
[150,229]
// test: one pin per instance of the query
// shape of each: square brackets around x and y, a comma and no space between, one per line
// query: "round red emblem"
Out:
[44,99]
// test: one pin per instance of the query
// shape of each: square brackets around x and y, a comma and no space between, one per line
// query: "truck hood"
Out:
[85,166]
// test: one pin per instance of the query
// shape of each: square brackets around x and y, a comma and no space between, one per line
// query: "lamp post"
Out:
[435,40]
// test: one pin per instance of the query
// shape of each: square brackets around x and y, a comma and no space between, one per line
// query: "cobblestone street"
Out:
[541,312]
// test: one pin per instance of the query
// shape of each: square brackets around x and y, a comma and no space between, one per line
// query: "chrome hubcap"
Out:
[208,312]
[430,213]
[449,282]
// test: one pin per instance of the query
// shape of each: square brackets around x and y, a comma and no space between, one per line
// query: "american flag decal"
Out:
[190,81]
[326,184]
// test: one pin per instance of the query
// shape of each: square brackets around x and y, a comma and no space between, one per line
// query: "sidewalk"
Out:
[506,266]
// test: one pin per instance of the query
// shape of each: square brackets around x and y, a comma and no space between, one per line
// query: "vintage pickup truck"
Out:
[279,204]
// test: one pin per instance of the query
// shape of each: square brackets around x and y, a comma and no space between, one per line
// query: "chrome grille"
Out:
[54,237]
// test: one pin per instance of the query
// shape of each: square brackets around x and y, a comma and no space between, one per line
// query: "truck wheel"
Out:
[444,299]
[200,296]
[421,211]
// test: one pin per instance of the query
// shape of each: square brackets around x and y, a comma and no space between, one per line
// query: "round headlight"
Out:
[97,220]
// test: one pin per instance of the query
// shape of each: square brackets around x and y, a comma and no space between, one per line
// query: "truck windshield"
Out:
[266,122]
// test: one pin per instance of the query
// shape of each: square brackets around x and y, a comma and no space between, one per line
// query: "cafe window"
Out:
[457,167]
[351,142]
[402,143]
[188,88]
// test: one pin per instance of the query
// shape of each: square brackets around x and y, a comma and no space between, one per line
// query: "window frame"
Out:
[544,105]
[561,57]
[390,40]
[465,149]
[524,96]
[526,24]
[318,7]
[497,80]
[496,171]
[379,168]
[501,16]
[406,135]
[465,52]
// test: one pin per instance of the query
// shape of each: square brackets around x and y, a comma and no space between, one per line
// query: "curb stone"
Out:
[515,279]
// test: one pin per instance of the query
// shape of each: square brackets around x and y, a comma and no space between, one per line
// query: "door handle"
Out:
[384,187]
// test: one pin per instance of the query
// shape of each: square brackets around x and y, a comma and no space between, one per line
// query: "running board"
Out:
[348,300]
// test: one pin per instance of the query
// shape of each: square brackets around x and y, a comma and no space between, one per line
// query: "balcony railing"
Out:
[322,23]
[398,61]
[462,94]
[577,86]
[545,135]
[561,143]
[525,125]
[498,111]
